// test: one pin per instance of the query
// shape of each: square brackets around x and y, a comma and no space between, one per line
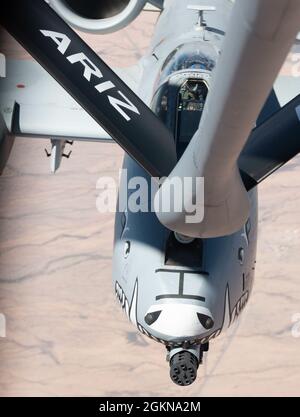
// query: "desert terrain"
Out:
[66,334]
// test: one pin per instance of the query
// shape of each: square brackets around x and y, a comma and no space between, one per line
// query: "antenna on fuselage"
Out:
[201,23]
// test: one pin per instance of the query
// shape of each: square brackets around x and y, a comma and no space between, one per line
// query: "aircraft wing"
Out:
[33,104]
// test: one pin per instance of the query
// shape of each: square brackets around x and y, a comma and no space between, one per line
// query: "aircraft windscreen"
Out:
[179,101]
[194,55]
[191,101]
[179,104]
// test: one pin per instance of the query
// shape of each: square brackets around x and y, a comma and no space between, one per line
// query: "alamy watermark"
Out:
[2,75]
[137,194]
[2,325]
[296,325]
[2,66]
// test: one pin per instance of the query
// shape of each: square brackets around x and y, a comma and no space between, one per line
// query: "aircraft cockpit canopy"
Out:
[190,56]
[180,99]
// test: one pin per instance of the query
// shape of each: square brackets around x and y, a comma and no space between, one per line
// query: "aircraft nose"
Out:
[178,320]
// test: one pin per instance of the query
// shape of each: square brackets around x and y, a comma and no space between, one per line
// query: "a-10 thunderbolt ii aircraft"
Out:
[200,104]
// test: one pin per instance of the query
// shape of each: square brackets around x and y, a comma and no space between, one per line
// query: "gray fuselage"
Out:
[181,294]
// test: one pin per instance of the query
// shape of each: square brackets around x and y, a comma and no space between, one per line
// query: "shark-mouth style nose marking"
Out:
[131,311]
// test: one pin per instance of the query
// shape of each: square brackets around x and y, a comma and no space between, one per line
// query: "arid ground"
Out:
[66,334]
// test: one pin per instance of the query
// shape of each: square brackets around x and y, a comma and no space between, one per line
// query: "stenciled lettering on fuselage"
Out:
[92,72]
